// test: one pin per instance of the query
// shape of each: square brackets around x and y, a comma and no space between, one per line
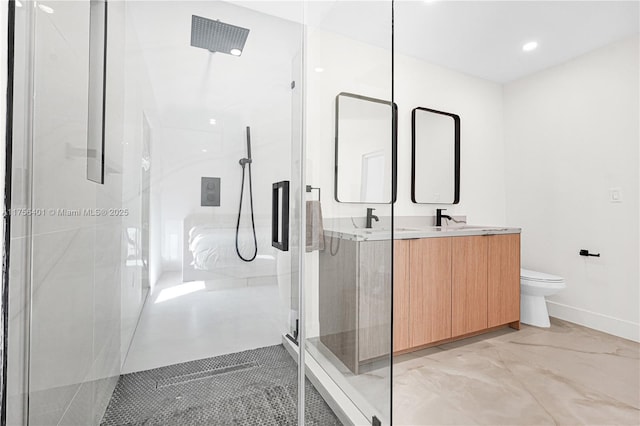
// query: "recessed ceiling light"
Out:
[212,121]
[528,47]
[318,69]
[204,150]
[18,3]
[45,9]
[236,52]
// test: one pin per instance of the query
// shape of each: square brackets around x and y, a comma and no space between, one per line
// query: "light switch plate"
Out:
[210,192]
[615,195]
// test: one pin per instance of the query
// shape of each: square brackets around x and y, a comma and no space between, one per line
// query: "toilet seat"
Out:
[542,285]
[539,277]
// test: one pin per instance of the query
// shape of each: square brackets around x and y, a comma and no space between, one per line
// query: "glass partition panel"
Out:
[19,242]
[348,260]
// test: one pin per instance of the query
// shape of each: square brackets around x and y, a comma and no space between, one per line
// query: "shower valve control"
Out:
[210,192]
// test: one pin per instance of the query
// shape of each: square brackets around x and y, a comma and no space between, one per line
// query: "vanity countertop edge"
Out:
[373,234]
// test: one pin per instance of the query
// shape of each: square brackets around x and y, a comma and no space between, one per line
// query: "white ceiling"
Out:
[481,38]
[485,38]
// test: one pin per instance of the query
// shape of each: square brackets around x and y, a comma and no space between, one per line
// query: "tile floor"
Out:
[255,387]
[564,375]
[183,322]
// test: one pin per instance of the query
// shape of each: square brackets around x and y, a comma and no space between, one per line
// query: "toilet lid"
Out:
[539,276]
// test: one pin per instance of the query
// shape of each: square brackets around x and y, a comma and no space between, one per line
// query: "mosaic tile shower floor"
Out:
[255,387]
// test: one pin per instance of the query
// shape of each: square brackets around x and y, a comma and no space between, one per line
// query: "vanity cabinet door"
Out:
[430,287]
[374,299]
[469,284]
[338,302]
[503,279]
[401,274]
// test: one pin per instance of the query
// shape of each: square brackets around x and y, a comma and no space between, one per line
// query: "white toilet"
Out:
[534,286]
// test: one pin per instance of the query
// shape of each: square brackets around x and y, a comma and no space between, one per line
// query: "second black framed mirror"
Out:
[435,157]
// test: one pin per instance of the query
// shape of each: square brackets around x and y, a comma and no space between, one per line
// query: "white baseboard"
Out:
[605,323]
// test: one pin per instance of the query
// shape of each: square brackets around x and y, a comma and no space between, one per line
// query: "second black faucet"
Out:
[439,216]
[371,217]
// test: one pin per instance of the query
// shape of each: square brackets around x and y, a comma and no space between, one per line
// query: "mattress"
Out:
[213,249]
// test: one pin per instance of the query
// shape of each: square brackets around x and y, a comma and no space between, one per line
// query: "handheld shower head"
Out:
[249,142]
[247,160]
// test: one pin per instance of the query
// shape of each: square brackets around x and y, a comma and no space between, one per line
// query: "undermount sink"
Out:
[463,227]
[455,227]
[383,230]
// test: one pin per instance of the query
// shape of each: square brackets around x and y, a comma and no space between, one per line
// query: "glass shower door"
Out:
[174,114]
[350,177]
[325,124]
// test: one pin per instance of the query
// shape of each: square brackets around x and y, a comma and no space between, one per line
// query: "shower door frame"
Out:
[6,225]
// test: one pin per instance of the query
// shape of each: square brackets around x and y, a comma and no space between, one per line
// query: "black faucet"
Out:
[370,217]
[439,216]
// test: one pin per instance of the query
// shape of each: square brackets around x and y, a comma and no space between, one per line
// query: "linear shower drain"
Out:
[200,375]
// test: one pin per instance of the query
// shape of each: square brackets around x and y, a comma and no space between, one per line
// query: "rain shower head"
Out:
[217,36]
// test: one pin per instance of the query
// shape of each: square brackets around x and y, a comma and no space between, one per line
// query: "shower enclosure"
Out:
[181,84]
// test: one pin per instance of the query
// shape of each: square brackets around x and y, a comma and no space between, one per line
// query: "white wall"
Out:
[417,83]
[366,73]
[478,102]
[571,134]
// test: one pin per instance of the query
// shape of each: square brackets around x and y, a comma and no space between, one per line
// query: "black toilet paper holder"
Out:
[585,252]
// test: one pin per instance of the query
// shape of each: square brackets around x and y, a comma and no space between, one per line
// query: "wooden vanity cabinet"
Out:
[401,297]
[468,284]
[451,287]
[504,280]
[429,305]
[444,288]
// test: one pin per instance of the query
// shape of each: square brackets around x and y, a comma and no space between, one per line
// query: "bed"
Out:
[210,252]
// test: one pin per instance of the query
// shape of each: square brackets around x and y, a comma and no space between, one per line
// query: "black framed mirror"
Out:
[435,157]
[365,150]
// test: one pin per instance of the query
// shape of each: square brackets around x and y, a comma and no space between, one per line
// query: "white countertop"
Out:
[401,233]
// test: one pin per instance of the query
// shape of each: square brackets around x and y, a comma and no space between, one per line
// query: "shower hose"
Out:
[246,164]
